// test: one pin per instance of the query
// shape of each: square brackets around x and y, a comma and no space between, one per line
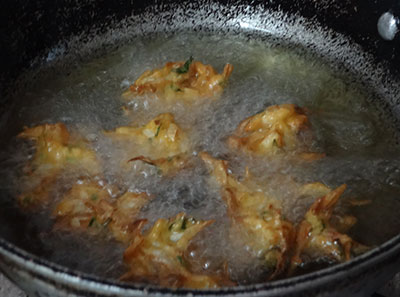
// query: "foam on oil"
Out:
[346,126]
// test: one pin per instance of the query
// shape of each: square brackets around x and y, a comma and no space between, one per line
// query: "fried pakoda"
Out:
[274,130]
[160,143]
[158,256]
[126,209]
[89,206]
[160,138]
[85,205]
[316,190]
[317,238]
[185,81]
[257,215]
[55,150]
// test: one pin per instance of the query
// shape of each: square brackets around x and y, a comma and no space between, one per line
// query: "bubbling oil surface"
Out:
[360,149]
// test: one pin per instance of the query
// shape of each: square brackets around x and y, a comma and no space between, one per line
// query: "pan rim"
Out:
[48,270]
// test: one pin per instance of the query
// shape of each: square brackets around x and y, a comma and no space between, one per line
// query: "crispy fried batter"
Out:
[55,150]
[158,256]
[89,206]
[316,237]
[126,209]
[85,205]
[271,131]
[161,140]
[184,81]
[255,214]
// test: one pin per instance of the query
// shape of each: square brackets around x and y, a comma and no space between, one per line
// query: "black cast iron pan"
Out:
[31,29]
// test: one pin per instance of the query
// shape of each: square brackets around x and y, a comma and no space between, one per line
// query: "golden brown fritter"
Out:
[272,131]
[86,204]
[89,206]
[317,238]
[55,150]
[126,209]
[181,81]
[256,215]
[158,256]
[159,138]
[161,142]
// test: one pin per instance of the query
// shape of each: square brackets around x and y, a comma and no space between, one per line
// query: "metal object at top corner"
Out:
[388,25]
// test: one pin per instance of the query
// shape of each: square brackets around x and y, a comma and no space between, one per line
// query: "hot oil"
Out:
[360,148]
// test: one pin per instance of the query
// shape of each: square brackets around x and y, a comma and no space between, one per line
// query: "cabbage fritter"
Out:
[181,81]
[55,150]
[89,206]
[159,138]
[256,215]
[318,238]
[158,256]
[272,131]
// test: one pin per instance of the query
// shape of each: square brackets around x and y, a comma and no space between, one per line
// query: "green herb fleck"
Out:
[94,197]
[169,159]
[170,227]
[222,83]
[175,88]
[159,171]
[184,222]
[70,159]
[180,259]
[92,220]
[158,131]
[185,68]
[27,200]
